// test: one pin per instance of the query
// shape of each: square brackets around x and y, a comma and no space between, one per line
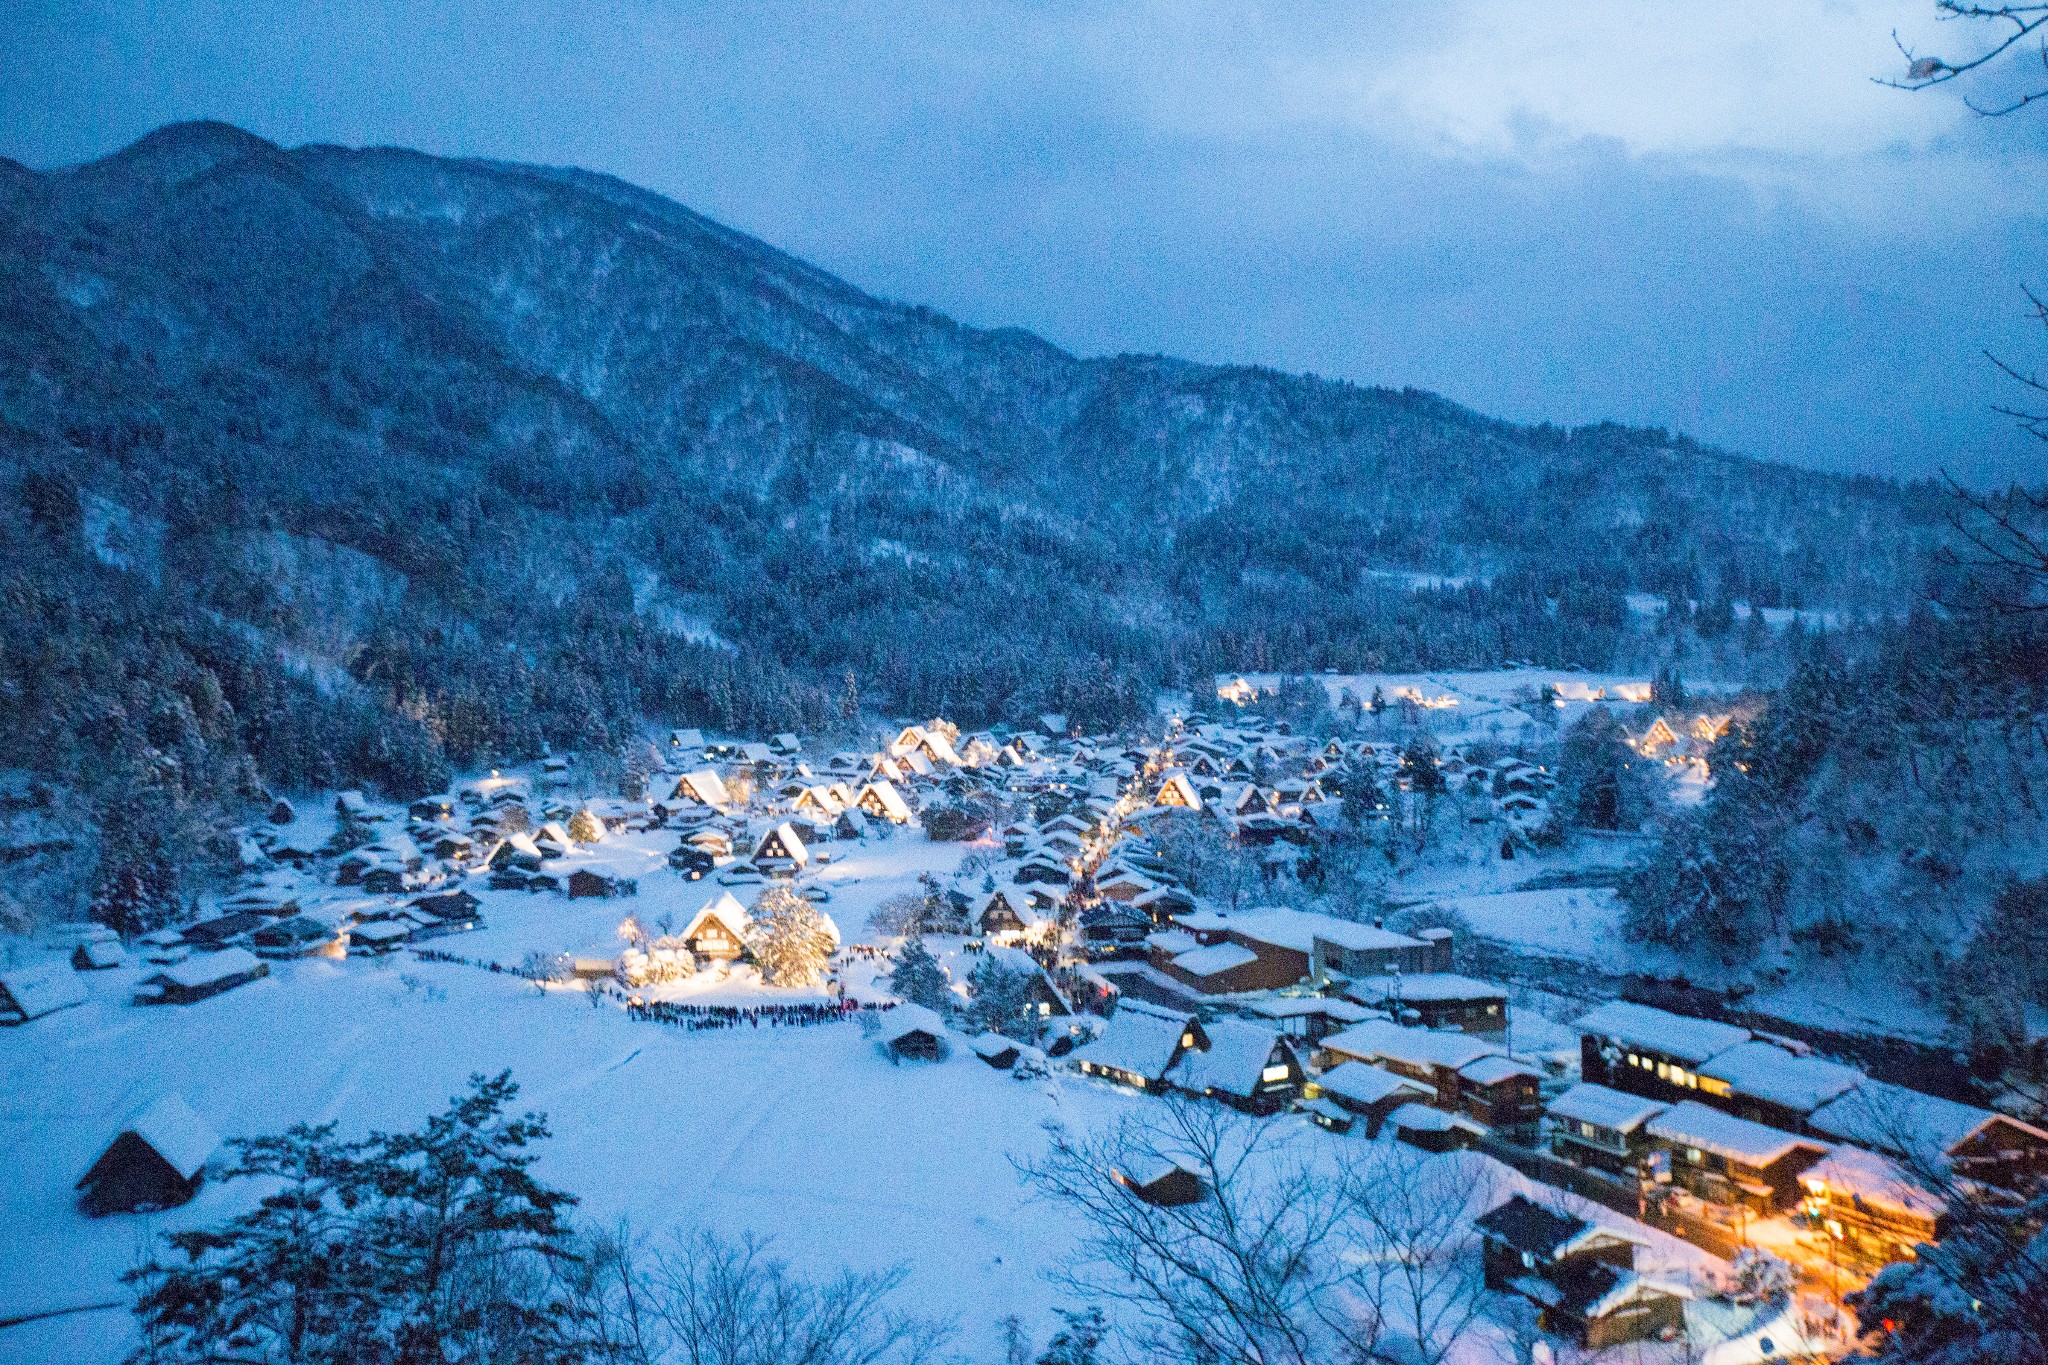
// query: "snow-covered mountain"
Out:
[417,459]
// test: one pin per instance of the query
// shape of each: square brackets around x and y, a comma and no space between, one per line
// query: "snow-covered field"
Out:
[805,1135]
[1497,704]
[808,1136]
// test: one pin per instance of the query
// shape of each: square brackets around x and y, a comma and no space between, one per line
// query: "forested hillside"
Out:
[332,466]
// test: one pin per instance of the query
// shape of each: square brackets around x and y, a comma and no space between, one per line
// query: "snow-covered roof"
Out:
[726,909]
[1137,1042]
[1421,1118]
[885,793]
[1302,1006]
[1871,1178]
[703,785]
[1377,1038]
[907,1018]
[1365,1084]
[1214,959]
[1904,1122]
[1238,1052]
[1604,1108]
[1295,929]
[38,992]
[1427,986]
[1494,1068]
[206,968]
[1674,1035]
[991,1044]
[1692,1124]
[1768,1072]
[176,1134]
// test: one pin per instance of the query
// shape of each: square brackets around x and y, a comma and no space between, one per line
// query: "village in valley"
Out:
[756,981]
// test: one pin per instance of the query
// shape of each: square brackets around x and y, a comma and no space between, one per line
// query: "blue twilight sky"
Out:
[1702,216]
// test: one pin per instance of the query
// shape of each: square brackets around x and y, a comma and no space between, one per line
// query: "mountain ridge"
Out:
[632,465]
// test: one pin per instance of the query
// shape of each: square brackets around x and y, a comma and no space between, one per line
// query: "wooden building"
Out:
[200,977]
[157,1161]
[913,1033]
[1652,1052]
[1162,1183]
[781,851]
[719,929]
[1245,1066]
[881,801]
[1367,1094]
[1140,1046]
[1437,1000]
[1731,1161]
[1601,1128]
[1927,1132]
[1503,1094]
[1875,1214]
[1581,1276]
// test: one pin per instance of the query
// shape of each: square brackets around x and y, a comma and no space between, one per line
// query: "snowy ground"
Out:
[805,1135]
[808,1136]
[1497,704]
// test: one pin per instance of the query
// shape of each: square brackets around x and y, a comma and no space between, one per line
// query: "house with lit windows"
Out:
[1602,1129]
[1731,1161]
[1140,1046]
[1652,1052]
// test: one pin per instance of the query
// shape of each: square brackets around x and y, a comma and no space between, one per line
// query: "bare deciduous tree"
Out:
[1298,1252]
[2011,26]
[705,1300]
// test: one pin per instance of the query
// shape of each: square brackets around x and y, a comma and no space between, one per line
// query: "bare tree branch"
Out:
[2012,25]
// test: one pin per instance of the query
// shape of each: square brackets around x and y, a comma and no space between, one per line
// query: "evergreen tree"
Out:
[1602,783]
[1419,768]
[436,1245]
[789,938]
[585,827]
[918,977]
[999,999]
[1079,1342]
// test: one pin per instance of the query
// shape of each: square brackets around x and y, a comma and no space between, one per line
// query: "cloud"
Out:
[1705,216]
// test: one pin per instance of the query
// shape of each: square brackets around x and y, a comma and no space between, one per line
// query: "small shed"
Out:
[993,1048]
[378,937]
[157,1161]
[914,1032]
[585,884]
[1161,1182]
[780,850]
[26,995]
[97,955]
[200,978]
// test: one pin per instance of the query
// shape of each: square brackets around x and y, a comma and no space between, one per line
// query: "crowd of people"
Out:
[696,1018]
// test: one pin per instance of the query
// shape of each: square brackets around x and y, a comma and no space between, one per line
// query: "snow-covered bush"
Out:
[664,960]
